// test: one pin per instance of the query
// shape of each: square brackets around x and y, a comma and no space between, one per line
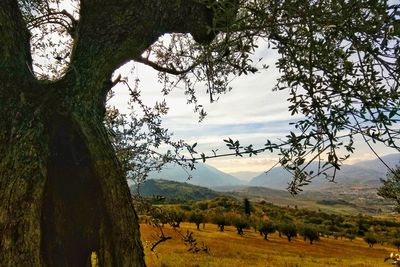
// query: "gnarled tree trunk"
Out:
[62,193]
[64,197]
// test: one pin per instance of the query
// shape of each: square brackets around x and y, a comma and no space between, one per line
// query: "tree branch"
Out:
[110,34]
[157,67]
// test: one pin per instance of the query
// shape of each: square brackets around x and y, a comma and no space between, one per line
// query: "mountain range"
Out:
[366,172]
[203,175]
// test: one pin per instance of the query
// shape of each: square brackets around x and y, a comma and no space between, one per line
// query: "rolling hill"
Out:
[174,190]
[362,200]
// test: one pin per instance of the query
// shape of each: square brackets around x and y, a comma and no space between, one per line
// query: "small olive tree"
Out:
[197,218]
[371,239]
[310,233]
[266,227]
[391,187]
[241,223]
[220,220]
[288,229]
[396,243]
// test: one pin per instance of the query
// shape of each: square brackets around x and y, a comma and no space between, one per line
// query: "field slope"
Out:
[229,249]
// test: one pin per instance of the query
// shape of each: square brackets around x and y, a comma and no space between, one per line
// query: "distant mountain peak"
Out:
[204,175]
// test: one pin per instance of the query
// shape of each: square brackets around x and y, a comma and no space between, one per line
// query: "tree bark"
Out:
[63,195]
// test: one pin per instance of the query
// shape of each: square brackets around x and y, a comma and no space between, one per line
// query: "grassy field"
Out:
[229,249]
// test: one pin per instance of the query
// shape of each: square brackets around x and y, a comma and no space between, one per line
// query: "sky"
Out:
[252,113]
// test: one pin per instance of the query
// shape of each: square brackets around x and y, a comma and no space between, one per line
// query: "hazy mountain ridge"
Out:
[245,175]
[366,173]
[392,160]
[203,175]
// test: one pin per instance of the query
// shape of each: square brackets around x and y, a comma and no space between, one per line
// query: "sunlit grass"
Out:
[229,249]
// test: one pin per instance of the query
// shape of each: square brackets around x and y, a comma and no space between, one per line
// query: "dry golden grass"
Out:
[229,249]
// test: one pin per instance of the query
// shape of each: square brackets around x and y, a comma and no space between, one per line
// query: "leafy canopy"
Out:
[339,61]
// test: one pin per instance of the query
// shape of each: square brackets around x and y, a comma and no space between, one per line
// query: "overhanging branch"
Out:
[160,68]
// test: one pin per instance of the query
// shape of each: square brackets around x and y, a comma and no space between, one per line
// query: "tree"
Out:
[309,233]
[396,243]
[220,220]
[198,218]
[240,223]
[63,193]
[371,239]
[266,227]
[391,187]
[288,229]
[175,216]
[247,206]
[63,190]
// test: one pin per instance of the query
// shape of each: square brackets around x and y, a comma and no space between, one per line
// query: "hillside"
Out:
[203,175]
[358,200]
[174,190]
[354,190]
